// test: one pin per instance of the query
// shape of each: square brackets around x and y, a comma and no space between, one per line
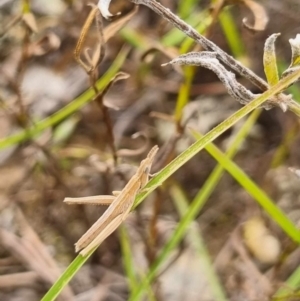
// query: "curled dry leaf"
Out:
[93,57]
[114,27]
[45,44]
[100,97]
[169,52]
[135,152]
[260,16]
[92,60]
[103,6]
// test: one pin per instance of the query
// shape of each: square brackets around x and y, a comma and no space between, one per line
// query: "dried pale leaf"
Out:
[47,43]
[30,21]
[100,97]
[98,53]
[135,152]
[162,116]
[6,27]
[260,16]
[80,43]
[88,57]
[15,280]
[114,27]
[103,6]
[269,59]
[91,200]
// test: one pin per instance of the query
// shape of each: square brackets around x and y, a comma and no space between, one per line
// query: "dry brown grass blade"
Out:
[15,20]
[25,279]
[95,58]
[135,152]
[33,243]
[31,251]
[261,18]
[114,27]
[99,99]
[30,21]
[47,43]
[15,244]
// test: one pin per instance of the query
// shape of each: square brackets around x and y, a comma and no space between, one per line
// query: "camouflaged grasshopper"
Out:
[120,203]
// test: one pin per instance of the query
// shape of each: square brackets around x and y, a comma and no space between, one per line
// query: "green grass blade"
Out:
[197,242]
[175,36]
[171,168]
[292,284]
[65,278]
[166,172]
[189,72]
[255,191]
[197,204]
[231,33]
[69,109]
[186,7]
[184,92]
[206,20]
[127,259]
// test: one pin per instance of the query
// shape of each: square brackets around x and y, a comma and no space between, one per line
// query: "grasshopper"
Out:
[120,203]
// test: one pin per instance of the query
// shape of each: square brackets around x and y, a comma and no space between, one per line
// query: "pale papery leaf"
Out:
[260,16]
[110,30]
[100,97]
[103,6]
[29,20]
[47,43]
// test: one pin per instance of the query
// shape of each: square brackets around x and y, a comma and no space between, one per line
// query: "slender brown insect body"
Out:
[118,210]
